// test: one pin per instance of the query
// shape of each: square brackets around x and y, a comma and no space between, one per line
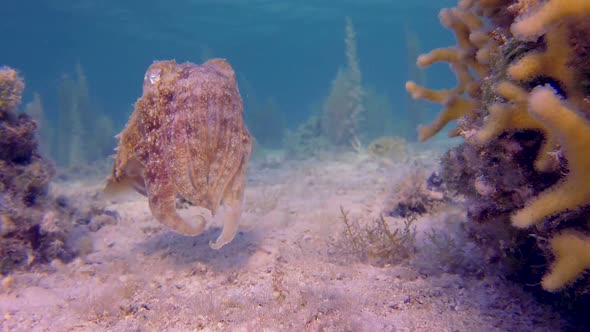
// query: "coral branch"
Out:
[573,132]
[553,11]
[572,257]
[523,85]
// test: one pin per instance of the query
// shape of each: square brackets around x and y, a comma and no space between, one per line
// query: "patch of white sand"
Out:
[278,274]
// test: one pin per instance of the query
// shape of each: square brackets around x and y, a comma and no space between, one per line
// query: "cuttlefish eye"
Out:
[153,75]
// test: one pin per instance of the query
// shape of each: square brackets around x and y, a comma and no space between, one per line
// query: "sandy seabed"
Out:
[281,272]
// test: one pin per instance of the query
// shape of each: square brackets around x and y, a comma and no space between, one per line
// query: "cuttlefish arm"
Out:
[231,205]
[162,201]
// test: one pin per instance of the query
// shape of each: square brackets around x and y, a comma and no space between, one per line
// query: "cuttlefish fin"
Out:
[123,189]
[122,184]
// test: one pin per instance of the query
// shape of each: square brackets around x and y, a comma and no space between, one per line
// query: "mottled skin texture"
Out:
[187,137]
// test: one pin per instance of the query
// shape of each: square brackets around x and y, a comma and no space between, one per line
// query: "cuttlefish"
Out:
[186,138]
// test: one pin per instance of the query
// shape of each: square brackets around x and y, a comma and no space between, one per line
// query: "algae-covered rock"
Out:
[27,234]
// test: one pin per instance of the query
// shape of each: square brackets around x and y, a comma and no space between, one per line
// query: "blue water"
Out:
[289,51]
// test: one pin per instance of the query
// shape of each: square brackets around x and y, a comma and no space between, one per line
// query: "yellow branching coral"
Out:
[495,77]
[509,115]
[572,258]
[545,18]
[514,115]
[571,129]
[456,106]
[553,20]
[459,101]
[573,132]
[553,62]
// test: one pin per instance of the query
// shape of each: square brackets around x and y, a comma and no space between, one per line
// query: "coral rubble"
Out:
[388,147]
[36,227]
[522,105]
[416,195]
[24,178]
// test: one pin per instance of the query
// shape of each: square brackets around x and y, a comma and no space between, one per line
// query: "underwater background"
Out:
[283,50]
[348,204]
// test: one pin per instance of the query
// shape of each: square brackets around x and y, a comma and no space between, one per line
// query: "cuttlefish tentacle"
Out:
[229,215]
[232,205]
[162,202]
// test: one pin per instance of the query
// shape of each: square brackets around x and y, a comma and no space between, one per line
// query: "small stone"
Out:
[277,295]
[7,225]
[7,284]
[50,222]
[87,270]
[395,306]
[99,221]
[85,246]
[57,264]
